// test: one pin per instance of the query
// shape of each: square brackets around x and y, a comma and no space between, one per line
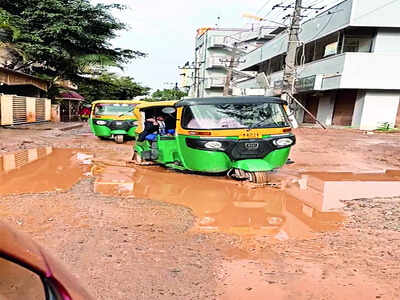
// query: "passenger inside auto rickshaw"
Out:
[157,124]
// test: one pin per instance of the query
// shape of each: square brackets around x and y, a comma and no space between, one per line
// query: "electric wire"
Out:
[262,8]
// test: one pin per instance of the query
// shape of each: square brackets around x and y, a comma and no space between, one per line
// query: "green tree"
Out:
[111,87]
[8,33]
[64,39]
[168,94]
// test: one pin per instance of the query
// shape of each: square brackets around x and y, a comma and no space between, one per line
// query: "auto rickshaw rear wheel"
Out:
[137,159]
[119,139]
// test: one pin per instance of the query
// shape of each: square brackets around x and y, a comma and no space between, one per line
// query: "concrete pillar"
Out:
[358,109]
[30,109]
[6,108]
[325,109]
[300,113]
[376,108]
[47,109]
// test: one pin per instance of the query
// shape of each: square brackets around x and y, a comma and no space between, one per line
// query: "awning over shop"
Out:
[11,77]
[71,95]
[70,101]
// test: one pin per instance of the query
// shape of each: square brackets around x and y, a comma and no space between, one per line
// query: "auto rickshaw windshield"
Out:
[234,116]
[114,109]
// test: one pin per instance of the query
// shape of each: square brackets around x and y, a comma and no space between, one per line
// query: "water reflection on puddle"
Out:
[300,210]
[41,170]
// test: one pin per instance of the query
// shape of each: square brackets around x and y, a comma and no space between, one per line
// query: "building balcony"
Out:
[214,82]
[353,70]
[217,62]
[230,43]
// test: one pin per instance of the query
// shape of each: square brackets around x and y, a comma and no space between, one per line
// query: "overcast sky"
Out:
[165,30]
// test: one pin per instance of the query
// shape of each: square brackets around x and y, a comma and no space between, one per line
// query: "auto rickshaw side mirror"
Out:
[19,282]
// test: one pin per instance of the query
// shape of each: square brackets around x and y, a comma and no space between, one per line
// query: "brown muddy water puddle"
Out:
[220,205]
[41,170]
[300,210]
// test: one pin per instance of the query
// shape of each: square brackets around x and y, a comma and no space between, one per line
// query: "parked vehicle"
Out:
[28,272]
[243,137]
[84,112]
[113,119]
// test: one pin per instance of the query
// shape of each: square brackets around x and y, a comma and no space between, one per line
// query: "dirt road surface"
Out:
[150,233]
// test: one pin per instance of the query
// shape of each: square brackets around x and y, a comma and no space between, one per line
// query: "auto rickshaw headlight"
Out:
[283,142]
[100,122]
[213,145]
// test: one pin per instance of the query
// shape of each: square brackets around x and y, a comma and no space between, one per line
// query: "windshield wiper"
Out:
[123,114]
[252,126]
[257,124]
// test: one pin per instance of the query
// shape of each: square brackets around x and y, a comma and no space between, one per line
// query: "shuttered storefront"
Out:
[40,108]
[344,107]
[16,110]
[311,104]
[19,110]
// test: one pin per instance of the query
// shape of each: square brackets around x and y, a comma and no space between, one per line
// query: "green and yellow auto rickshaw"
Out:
[113,119]
[243,137]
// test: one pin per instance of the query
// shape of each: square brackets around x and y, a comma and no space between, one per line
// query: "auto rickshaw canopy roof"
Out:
[145,104]
[117,102]
[229,100]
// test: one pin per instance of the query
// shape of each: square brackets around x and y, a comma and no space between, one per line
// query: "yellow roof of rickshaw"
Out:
[146,104]
[117,101]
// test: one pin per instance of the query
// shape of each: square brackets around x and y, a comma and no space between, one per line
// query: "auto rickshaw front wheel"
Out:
[259,177]
[119,139]
[256,177]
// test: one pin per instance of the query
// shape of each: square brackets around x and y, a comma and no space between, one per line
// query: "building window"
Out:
[357,44]
[277,63]
[326,46]
[348,40]
[331,49]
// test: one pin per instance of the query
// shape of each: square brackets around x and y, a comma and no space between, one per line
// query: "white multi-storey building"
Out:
[347,65]
[214,49]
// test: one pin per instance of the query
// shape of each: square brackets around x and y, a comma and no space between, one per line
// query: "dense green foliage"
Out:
[168,94]
[111,87]
[61,39]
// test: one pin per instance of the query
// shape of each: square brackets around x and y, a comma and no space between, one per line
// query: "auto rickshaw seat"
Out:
[151,137]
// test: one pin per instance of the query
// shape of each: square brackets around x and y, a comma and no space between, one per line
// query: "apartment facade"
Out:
[214,48]
[347,65]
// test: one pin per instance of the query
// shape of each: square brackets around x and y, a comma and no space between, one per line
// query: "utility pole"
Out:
[233,62]
[227,86]
[289,75]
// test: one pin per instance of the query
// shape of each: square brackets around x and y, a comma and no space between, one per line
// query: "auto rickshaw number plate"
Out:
[250,135]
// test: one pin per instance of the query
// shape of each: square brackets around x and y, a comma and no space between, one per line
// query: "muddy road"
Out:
[150,233]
